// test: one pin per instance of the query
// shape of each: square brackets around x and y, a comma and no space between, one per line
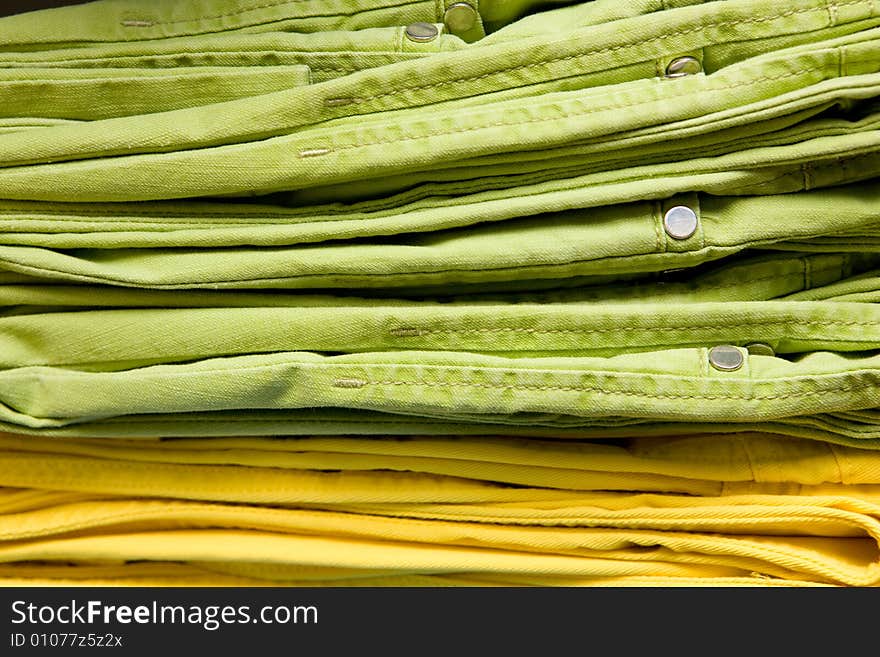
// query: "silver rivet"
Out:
[726,358]
[421,32]
[681,66]
[680,222]
[460,17]
[760,349]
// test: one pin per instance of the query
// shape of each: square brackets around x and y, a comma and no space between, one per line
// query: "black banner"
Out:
[406,621]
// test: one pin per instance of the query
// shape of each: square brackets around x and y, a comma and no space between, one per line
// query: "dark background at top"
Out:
[17,6]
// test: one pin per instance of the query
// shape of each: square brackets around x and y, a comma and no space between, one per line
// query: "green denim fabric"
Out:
[620,239]
[510,70]
[131,20]
[673,384]
[476,223]
[354,148]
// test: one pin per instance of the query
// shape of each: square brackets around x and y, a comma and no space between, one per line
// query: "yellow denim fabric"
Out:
[787,520]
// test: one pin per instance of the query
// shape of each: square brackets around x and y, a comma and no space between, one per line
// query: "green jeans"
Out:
[175,152]
[225,218]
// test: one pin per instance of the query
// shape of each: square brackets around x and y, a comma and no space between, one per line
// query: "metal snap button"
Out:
[760,349]
[460,17]
[726,358]
[680,222]
[421,32]
[681,66]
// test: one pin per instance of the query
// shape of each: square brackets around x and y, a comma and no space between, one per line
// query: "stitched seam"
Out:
[303,365]
[832,14]
[11,215]
[805,274]
[269,5]
[102,521]
[129,420]
[655,222]
[421,194]
[616,329]
[134,226]
[797,173]
[834,454]
[610,393]
[160,285]
[556,172]
[803,512]
[704,362]
[568,115]
[842,164]
[843,239]
[304,58]
[798,11]
[806,169]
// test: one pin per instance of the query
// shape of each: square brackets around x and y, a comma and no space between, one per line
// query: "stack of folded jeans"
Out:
[528,292]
